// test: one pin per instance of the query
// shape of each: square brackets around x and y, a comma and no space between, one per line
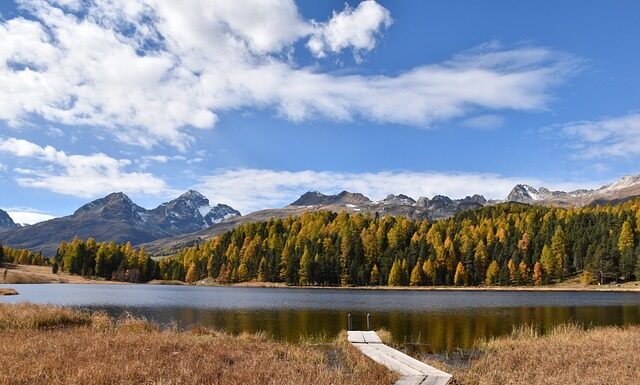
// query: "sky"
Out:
[254,102]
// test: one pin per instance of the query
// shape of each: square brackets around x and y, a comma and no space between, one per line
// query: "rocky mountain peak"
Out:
[522,193]
[311,198]
[399,199]
[113,206]
[346,197]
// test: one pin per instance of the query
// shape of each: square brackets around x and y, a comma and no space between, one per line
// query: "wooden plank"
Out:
[371,338]
[413,372]
[410,361]
[355,337]
[383,359]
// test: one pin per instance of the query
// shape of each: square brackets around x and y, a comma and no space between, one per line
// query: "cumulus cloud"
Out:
[357,29]
[152,72]
[605,138]
[253,189]
[78,175]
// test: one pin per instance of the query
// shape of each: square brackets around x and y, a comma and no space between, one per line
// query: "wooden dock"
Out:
[413,372]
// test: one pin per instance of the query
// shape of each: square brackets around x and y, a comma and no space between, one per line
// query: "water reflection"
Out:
[433,321]
[432,332]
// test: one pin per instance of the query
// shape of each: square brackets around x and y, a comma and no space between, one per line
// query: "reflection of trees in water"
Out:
[432,331]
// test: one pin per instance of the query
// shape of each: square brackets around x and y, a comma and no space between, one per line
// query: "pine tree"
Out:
[626,247]
[375,276]
[404,273]
[481,256]
[395,276]
[416,276]
[263,271]
[548,262]
[460,277]
[429,271]
[537,274]
[523,272]
[492,273]
[513,272]
[305,268]
[559,251]
[243,273]
[192,273]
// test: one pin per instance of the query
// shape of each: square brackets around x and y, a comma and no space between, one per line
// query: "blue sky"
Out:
[253,104]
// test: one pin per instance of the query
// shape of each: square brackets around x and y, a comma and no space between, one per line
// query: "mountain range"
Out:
[189,219]
[116,218]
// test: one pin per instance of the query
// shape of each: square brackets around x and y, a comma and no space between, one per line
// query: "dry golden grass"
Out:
[18,274]
[49,345]
[568,355]
[7,291]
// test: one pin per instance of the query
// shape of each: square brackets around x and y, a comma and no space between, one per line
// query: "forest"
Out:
[505,244]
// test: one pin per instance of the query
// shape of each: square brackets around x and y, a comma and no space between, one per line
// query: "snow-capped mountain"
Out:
[624,189]
[190,212]
[6,222]
[117,218]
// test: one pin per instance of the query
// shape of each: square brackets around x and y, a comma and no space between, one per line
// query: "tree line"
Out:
[108,260]
[506,244]
[22,256]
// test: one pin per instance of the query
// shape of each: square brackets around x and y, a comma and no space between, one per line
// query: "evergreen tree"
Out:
[305,268]
[429,270]
[416,276]
[263,271]
[243,273]
[559,251]
[192,274]
[537,274]
[375,276]
[548,262]
[492,273]
[460,277]
[395,276]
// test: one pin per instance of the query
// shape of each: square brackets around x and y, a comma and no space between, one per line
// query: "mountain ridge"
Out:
[116,217]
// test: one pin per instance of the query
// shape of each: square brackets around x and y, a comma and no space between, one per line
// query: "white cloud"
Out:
[352,28]
[251,189]
[3,167]
[78,175]
[152,71]
[605,138]
[28,217]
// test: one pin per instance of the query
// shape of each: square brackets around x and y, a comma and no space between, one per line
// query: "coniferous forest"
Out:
[506,244]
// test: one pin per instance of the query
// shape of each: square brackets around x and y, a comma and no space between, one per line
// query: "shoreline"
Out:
[25,274]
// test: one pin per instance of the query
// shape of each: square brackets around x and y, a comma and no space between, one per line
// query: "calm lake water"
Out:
[433,321]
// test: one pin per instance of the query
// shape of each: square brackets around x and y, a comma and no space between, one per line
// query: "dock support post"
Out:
[349,324]
[368,321]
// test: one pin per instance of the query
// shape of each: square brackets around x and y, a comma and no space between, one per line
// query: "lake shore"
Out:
[53,345]
[26,274]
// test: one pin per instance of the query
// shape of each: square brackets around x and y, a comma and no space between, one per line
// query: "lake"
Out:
[431,321]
